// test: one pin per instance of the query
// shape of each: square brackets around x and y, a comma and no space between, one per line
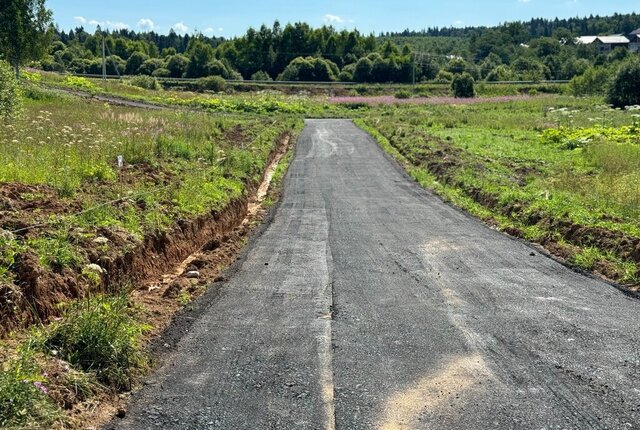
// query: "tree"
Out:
[134,63]
[177,65]
[25,31]
[463,85]
[625,88]
[310,69]
[200,55]
[362,71]
[150,66]
[10,102]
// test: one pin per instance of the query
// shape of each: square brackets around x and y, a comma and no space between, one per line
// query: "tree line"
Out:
[540,27]
[536,50]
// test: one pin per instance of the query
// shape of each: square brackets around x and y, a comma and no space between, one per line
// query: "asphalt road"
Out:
[370,304]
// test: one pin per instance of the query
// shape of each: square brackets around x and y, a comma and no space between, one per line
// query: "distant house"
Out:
[605,43]
[634,41]
[585,40]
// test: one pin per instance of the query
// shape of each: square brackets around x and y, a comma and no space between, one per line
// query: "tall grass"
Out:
[99,335]
[24,400]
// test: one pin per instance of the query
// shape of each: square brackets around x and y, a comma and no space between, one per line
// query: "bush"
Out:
[345,76]
[146,82]
[81,83]
[403,94]
[463,86]
[625,88]
[261,76]
[310,69]
[177,65]
[211,83]
[444,77]
[99,335]
[161,73]
[594,81]
[10,96]
[150,66]
[362,70]
[500,73]
[135,61]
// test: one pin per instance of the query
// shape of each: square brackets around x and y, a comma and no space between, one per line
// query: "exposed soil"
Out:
[167,270]
[37,290]
[163,293]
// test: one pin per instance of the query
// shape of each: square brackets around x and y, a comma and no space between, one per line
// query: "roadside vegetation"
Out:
[562,172]
[83,187]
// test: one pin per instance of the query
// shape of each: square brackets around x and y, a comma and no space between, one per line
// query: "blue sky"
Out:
[232,18]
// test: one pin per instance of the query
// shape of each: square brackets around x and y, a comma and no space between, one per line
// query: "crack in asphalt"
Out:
[326,348]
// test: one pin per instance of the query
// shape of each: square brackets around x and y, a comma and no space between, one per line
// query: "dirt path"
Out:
[369,304]
[114,100]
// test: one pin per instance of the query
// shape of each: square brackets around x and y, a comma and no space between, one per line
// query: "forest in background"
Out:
[536,50]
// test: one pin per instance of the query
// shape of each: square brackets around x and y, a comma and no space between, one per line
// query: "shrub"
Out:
[146,82]
[99,335]
[310,69]
[362,70]
[211,83]
[594,81]
[500,73]
[81,83]
[261,76]
[161,73]
[345,76]
[463,86]
[10,97]
[150,66]
[135,61]
[177,65]
[625,88]
[403,94]
[444,77]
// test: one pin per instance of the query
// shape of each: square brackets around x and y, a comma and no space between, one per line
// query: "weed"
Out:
[24,396]
[99,335]
[56,251]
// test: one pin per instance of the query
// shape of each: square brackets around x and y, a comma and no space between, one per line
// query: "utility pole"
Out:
[414,72]
[104,58]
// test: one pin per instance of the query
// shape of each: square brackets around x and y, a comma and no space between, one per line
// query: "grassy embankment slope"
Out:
[77,231]
[559,171]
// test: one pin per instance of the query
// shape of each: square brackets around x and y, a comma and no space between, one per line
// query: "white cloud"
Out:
[524,1]
[80,19]
[180,27]
[333,19]
[220,29]
[146,24]
[117,25]
[209,31]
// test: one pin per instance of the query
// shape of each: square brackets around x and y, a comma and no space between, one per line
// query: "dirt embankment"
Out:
[120,261]
[442,160]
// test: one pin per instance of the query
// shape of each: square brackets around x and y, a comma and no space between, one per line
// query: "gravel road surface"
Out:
[368,303]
